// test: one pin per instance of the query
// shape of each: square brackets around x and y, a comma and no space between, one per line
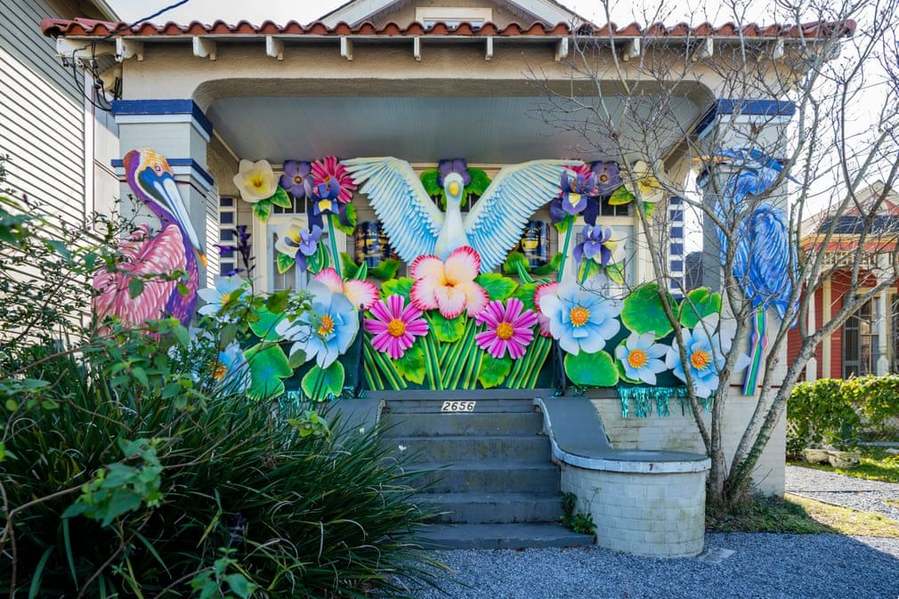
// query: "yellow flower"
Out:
[256,181]
[641,178]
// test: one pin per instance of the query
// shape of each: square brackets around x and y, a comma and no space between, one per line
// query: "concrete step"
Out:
[436,425]
[436,406]
[489,477]
[485,508]
[501,536]
[461,448]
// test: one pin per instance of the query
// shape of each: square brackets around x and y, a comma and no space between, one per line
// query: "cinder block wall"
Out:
[678,432]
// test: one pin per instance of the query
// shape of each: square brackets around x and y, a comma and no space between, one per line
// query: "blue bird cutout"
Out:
[763,255]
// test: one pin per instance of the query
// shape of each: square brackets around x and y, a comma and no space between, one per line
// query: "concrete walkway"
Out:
[761,566]
[855,493]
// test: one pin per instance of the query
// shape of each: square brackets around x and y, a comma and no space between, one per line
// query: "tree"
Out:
[757,180]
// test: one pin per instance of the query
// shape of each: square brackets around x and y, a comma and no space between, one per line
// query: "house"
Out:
[56,137]
[867,342]
[432,82]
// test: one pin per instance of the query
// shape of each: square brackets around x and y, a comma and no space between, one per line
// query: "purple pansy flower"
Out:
[607,176]
[597,245]
[298,242]
[297,178]
[456,165]
[325,196]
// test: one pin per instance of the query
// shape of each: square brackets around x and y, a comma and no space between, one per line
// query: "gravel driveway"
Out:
[855,493]
[763,566]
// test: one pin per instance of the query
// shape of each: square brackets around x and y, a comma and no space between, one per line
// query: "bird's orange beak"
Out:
[201,256]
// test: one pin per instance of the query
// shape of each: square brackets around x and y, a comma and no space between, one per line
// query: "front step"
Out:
[501,536]
[440,425]
[461,448]
[492,508]
[489,477]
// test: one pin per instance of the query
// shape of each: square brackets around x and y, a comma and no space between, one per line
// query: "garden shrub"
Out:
[839,412]
[129,492]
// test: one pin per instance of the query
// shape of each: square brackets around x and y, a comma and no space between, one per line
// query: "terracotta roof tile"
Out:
[92,28]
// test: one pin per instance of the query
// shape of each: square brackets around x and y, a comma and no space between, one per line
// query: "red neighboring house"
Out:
[867,343]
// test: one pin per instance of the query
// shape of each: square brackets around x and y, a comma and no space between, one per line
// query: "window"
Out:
[227,221]
[453,16]
[860,347]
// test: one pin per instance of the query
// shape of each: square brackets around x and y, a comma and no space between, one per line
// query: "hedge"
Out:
[836,411]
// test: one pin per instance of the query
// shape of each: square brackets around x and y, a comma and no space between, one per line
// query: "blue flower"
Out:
[641,357]
[580,319]
[706,348]
[232,370]
[326,330]
[597,245]
[226,290]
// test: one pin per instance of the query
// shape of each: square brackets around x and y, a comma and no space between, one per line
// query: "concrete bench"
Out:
[643,502]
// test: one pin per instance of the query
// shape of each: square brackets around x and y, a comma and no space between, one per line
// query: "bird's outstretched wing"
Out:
[411,219]
[496,222]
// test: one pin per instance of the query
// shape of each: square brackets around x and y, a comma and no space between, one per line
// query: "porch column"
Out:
[811,367]
[883,321]
[180,131]
[827,342]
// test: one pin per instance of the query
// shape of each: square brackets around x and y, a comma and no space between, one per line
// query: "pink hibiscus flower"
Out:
[328,168]
[509,328]
[361,294]
[395,326]
[539,293]
[448,286]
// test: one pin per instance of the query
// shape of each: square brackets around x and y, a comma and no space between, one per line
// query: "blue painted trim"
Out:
[163,107]
[768,108]
[677,248]
[677,231]
[193,164]
[677,266]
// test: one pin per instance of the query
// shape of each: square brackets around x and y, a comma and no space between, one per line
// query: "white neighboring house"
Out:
[59,145]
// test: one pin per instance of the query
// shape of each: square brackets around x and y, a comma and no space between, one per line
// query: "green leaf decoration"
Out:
[642,311]
[348,265]
[264,326]
[497,286]
[297,359]
[262,209]
[412,364]
[615,272]
[620,197]
[514,262]
[281,198]
[525,293]
[649,209]
[319,382]
[361,272]
[698,304]
[135,287]
[401,286]
[550,268]
[479,182]
[268,365]
[387,269]
[591,370]
[284,262]
[350,216]
[494,370]
[447,331]
[429,181]
[320,260]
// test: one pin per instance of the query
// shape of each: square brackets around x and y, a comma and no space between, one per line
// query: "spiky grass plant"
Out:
[244,503]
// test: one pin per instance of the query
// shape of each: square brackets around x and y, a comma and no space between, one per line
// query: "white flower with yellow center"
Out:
[255,180]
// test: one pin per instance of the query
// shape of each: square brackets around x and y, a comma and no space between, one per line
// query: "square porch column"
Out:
[180,131]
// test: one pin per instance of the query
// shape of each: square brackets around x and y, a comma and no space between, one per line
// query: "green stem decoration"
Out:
[517,366]
[569,228]
[371,368]
[335,255]
[465,356]
[394,379]
[523,273]
[432,356]
[451,363]
[473,370]
[534,376]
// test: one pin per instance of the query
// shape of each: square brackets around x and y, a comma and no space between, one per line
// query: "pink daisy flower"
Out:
[330,167]
[540,293]
[394,326]
[361,294]
[508,328]
[448,286]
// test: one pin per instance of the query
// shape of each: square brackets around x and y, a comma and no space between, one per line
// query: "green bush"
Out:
[119,489]
[838,412]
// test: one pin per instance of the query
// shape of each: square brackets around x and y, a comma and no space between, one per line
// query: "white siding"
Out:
[41,114]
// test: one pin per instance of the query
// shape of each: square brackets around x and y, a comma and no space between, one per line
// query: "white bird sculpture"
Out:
[417,227]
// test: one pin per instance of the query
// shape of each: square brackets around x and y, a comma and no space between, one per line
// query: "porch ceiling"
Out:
[496,129]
